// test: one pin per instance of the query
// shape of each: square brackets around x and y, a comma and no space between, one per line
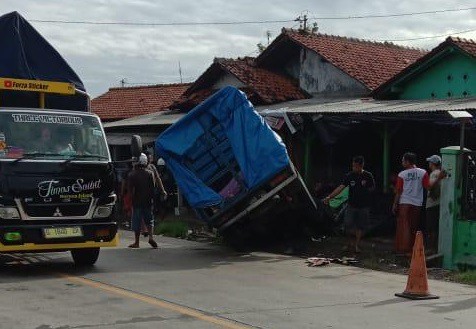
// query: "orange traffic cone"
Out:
[417,284]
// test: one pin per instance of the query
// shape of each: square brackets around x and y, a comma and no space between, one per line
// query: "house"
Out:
[298,66]
[410,110]
[261,85]
[334,65]
[126,102]
[447,72]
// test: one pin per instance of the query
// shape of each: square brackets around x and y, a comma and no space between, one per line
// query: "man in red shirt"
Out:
[408,202]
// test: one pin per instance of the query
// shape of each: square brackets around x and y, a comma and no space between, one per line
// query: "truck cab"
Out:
[56,175]
[56,183]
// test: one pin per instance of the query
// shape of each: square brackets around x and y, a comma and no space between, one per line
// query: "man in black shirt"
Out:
[361,185]
[142,189]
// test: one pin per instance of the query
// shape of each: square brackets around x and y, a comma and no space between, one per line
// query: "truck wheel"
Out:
[85,257]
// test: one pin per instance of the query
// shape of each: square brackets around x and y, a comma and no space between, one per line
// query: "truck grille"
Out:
[56,210]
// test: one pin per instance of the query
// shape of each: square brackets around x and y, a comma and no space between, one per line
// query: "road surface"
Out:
[192,285]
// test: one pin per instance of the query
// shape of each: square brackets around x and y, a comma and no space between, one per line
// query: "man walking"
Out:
[408,202]
[141,188]
[361,184]
[432,215]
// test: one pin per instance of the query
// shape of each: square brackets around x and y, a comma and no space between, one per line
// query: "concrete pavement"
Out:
[186,284]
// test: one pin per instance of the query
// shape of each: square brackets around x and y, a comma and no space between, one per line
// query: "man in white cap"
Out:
[433,202]
[142,189]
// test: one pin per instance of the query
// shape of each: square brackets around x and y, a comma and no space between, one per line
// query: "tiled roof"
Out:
[261,85]
[466,45]
[126,102]
[369,62]
[269,86]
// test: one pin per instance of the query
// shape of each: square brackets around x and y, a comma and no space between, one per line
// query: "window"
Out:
[51,136]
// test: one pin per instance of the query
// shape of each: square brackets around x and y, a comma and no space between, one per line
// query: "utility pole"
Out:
[180,72]
[302,19]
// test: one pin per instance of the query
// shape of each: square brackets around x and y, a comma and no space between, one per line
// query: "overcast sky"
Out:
[103,55]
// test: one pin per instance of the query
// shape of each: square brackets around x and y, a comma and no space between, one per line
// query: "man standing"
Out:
[159,186]
[361,184]
[408,202]
[433,202]
[141,188]
[165,203]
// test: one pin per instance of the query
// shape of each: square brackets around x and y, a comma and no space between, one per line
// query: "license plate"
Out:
[62,232]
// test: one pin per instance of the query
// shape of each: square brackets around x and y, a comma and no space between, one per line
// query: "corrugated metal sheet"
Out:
[154,119]
[320,106]
[360,106]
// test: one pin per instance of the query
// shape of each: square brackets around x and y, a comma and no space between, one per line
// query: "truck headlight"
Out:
[103,211]
[9,213]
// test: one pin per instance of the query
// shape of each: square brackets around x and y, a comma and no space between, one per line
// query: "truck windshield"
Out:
[51,136]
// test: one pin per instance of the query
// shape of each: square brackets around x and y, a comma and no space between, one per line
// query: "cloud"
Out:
[103,55]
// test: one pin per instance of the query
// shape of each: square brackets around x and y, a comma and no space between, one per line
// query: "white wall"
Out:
[317,76]
[227,80]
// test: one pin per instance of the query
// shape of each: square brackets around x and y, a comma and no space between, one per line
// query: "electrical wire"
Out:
[393,15]
[427,37]
[161,24]
[252,22]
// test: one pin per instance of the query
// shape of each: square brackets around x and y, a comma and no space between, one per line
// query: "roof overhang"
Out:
[154,119]
[369,106]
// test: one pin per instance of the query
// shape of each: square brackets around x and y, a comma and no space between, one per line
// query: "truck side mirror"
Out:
[136,146]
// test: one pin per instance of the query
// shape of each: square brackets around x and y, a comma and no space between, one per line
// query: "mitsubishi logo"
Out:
[57,213]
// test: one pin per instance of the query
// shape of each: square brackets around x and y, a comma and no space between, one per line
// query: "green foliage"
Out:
[174,229]
[468,277]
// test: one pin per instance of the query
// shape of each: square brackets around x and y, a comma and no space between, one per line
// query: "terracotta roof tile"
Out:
[126,102]
[467,45]
[270,86]
[262,86]
[371,63]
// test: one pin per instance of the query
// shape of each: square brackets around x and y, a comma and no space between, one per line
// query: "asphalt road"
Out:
[191,285]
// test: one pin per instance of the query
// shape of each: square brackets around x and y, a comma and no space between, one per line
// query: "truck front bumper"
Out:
[32,237]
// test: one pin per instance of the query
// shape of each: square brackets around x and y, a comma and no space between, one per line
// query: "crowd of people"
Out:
[411,187]
[145,189]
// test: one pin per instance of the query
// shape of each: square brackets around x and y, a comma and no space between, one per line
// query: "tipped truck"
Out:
[234,170]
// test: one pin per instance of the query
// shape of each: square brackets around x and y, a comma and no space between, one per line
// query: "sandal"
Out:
[153,244]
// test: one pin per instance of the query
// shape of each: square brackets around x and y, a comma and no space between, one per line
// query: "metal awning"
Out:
[153,119]
[369,106]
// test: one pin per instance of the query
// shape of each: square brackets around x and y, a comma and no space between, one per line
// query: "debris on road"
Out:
[317,261]
[322,261]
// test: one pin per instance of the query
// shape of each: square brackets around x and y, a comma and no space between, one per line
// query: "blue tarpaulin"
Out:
[25,54]
[260,153]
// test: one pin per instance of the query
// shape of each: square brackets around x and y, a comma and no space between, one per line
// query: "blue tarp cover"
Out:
[260,153]
[25,54]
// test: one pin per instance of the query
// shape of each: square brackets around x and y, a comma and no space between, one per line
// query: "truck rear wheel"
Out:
[85,257]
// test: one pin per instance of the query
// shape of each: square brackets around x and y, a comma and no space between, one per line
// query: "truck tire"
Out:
[85,257]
